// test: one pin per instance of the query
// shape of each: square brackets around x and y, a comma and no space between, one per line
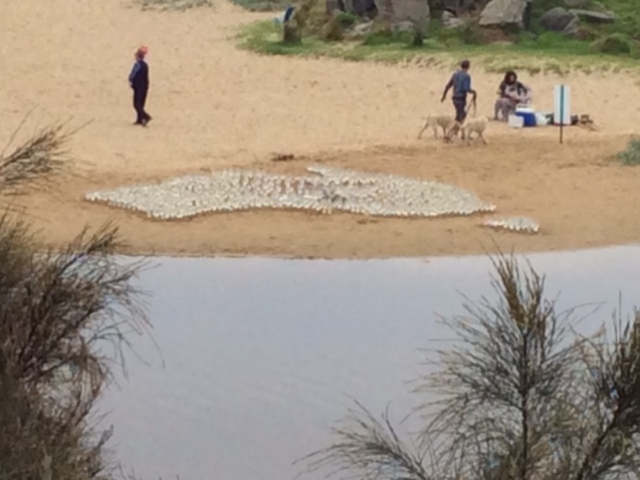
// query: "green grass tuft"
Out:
[262,5]
[174,4]
[347,20]
[265,37]
[631,155]
[616,44]
[387,38]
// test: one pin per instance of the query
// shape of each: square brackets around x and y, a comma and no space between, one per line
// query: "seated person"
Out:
[511,94]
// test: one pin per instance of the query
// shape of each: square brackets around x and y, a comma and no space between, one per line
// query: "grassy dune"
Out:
[547,54]
[613,47]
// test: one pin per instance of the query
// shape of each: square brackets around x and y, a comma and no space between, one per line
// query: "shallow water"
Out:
[260,356]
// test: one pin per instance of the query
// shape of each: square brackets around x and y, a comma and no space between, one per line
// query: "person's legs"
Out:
[503,108]
[497,108]
[460,105]
[143,101]
[138,104]
[508,108]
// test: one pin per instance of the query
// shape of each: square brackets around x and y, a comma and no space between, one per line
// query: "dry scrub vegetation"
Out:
[59,314]
[521,396]
[65,318]
[631,155]
[35,160]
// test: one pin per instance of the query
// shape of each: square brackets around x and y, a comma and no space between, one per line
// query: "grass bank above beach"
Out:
[548,53]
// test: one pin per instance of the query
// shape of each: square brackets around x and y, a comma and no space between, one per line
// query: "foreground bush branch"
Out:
[366,447]
[65,319]
[519,396]
[37,158]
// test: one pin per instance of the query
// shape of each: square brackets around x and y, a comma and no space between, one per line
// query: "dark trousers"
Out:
[139,100]
[460,104]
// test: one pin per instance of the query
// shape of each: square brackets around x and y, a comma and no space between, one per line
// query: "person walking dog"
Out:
[461,83]
[139,81]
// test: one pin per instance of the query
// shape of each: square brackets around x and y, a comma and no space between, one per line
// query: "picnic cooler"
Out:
[516,121]
[528,115]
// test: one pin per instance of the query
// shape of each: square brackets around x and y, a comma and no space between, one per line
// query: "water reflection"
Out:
[261,354]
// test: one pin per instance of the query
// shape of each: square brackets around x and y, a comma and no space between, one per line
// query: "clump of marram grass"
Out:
[519,396]
[262,5]
[59,311]
[38,159]
[180,5]
[631,155]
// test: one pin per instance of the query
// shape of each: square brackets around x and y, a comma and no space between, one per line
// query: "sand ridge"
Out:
[215,106]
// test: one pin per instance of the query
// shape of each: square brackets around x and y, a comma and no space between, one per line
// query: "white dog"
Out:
[475,125]
[445,122]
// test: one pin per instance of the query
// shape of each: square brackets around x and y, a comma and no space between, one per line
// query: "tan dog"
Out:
[475,125]
[437,121]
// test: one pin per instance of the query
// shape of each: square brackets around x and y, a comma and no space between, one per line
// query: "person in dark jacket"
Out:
[139,81]
[461,83]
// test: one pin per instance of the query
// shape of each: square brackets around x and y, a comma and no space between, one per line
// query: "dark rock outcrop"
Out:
[333,5]
[449,20]
[573,28]
[395,12]
[575,3]
[558,19]
[357,7]
[594,17]
[500,13]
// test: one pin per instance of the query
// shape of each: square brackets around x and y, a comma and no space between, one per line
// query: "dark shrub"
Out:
[614,44]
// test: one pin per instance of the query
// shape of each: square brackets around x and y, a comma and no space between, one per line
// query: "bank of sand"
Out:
[215,106]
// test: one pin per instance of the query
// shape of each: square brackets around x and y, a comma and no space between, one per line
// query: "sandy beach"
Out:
[215,106]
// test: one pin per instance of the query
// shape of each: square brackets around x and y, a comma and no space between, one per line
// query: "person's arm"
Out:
[467,87]
[528,95]
[134,72]
[448,87]
[513,95]
[501,89]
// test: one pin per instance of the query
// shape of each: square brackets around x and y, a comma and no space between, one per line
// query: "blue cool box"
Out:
[528,115]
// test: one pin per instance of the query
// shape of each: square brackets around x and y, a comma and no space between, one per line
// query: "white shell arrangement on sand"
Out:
[516,224]
[331,189]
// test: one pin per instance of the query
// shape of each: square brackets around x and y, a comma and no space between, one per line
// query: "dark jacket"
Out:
[139,76]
